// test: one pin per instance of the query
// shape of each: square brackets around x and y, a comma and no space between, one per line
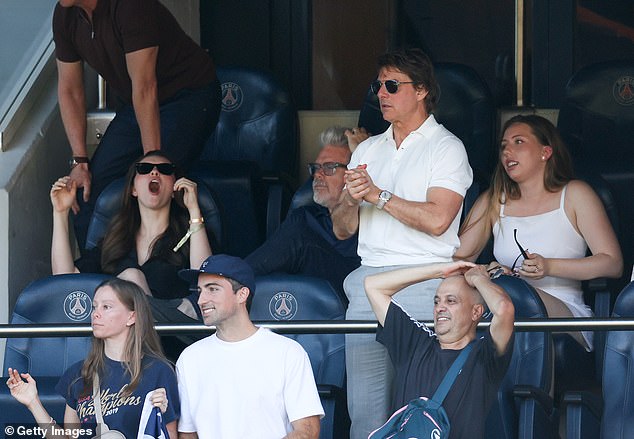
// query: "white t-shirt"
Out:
[253,388]
[429,157]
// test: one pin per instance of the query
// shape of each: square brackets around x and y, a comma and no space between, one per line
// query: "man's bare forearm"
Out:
[345,218]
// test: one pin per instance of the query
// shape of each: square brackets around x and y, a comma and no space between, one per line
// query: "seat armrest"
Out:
[329,391]
[274,208]
[599,290]
[279,191]
[531,392]
[583,415]
[537,415]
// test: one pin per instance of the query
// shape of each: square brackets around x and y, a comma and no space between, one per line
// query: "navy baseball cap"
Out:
[226,266]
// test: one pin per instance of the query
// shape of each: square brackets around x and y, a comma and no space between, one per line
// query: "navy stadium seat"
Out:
[303,195]
[60,299]
[524,408]
[282,297]
[250,161]
[590,417]
[576,369]
[596,120]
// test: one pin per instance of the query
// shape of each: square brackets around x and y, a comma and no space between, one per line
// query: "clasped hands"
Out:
[359,186]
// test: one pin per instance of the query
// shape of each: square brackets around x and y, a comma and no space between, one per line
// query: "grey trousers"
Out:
[368,366]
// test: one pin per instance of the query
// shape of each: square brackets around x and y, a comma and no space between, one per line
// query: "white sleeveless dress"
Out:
[553,236]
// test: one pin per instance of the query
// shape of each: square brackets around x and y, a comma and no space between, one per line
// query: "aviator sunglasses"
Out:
[143,168]
[391,85]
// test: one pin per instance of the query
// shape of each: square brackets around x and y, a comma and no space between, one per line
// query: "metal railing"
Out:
[320,327]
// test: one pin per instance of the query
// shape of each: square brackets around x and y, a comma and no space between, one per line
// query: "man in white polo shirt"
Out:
[403,194]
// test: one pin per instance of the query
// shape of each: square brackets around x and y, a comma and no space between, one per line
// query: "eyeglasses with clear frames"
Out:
[328,168]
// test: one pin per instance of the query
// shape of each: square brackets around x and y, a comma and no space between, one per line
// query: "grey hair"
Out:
[334,135]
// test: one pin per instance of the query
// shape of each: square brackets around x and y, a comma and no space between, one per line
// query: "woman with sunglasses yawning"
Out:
[542,221]
[158,230]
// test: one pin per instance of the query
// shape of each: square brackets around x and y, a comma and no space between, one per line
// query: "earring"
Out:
[543,157]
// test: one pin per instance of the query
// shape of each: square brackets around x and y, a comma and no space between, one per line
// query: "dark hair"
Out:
[142,340]
[418,66]
[120,238]
[235,286]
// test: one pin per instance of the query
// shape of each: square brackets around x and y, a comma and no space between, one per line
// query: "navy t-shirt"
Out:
[120,413]
[420,365]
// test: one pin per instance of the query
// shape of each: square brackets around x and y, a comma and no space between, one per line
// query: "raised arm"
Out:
[381,287]
[24,389]
[199,248]
[345,215]
[586,212]
[498,302]
[62,195]
[141,66]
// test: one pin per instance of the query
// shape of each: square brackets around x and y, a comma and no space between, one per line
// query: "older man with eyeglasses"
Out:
[404,193]
[305,242]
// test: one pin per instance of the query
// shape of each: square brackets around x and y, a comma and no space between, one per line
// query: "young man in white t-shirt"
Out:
[242,381]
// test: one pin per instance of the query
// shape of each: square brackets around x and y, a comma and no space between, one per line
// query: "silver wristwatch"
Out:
[384,197]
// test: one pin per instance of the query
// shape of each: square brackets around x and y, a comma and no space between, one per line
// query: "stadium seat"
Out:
[590,417]
[524,408]
[282,297]
[251,159]
[596,120]
[60,299]
[109,202]
[576,369]
[303,195]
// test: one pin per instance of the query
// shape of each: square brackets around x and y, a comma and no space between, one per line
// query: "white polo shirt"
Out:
[429,157]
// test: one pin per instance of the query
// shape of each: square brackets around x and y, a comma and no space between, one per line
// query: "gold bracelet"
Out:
[197,220]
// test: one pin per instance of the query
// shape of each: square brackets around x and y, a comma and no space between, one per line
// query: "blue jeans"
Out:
[368,366]
[187,120]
